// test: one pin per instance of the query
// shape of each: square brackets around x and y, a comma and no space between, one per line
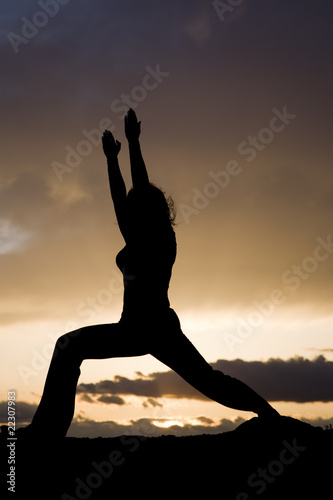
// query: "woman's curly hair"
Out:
[152,200]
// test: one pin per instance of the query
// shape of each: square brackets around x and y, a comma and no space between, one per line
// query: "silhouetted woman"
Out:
[148,325]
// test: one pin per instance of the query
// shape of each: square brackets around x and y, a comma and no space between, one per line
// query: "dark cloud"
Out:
[152,402]
[23,412]
[87,399]
[111,400]
[205,420]
[156,385]
[299,380]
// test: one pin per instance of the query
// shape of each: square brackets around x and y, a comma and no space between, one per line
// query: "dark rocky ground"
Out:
[285,460]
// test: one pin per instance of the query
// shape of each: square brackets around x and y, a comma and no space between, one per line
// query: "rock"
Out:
[284,459]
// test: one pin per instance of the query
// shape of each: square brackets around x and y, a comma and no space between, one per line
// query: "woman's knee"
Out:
[67,343]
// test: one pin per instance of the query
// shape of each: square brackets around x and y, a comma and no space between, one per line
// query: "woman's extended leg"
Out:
[56,408]
[177,352]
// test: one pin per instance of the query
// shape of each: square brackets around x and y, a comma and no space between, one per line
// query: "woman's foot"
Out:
[268,413]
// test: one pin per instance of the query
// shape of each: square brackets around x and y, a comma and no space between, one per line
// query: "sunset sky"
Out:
[236,111]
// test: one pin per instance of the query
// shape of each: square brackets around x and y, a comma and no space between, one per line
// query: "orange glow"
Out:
[168,423]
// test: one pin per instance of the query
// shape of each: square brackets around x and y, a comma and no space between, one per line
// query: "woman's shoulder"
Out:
[154,242]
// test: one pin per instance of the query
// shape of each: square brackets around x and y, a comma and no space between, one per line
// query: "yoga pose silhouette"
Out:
[147,325]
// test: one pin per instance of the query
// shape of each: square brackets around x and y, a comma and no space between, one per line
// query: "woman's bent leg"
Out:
[56,408]
[177,352]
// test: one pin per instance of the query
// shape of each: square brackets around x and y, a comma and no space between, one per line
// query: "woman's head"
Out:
[151,204]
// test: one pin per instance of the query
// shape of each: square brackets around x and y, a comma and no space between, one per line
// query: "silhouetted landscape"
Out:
[287,460]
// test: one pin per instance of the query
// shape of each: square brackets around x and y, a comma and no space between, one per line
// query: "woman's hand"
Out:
[111,147]
[132,126]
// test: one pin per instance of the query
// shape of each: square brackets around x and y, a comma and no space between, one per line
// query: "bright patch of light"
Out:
[165,424]
[11,237]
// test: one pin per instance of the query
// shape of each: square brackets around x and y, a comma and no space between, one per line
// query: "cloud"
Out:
[23,412]
[149,427]
[199,27]
[111,400]
[38,236]
[297,379]
[12,238]
[205,420]
[87,399]
[152,402]
[318,349]
[155,385]
[25,200]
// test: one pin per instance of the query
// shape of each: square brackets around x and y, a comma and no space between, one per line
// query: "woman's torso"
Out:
[146,263]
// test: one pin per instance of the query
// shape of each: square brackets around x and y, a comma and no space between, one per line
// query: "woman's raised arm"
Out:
[111,149]
[138,168]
